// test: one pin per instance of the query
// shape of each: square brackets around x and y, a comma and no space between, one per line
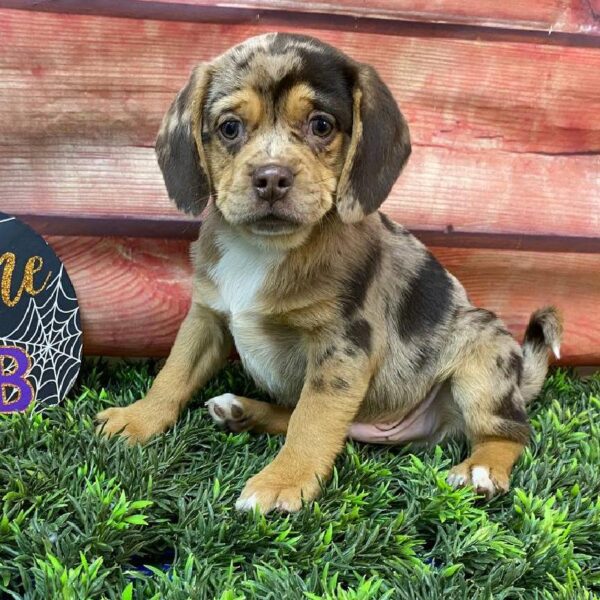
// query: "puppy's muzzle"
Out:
[272,182]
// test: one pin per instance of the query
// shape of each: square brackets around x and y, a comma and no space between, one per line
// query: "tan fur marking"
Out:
[316,433]
[348,206]
[298,103]
[202,74]
[246,103]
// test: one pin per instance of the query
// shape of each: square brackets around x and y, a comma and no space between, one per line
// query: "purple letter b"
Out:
[15,379]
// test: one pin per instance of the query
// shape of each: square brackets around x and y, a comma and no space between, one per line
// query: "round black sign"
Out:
[40,329]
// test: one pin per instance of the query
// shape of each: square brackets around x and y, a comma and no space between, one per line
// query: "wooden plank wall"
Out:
[502,99]
[135,292]
[548,16]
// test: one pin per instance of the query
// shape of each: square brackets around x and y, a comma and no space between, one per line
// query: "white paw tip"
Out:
[481,479]
[219,407]
[456,480]
[556,350]
[246,503]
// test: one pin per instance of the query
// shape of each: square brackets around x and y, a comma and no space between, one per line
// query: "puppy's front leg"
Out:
[201,348]
[330,398]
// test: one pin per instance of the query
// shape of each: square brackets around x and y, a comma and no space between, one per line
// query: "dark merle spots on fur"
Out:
[358,332]
[279,88]
[325,69]
[356,287]
[422,355]
[486,316]
[213,96]
[501,331]
[387,223]
[514,424]
[482,316]
[340,384]
[244,63]
[318,384]
[428,302]
[515,366]
[179,161]
[233,149]
[206,137]
[282,42]
[512,367]
[184,96]
[325,354]
[513,430]
[389,307]
[534,334]
[509,409]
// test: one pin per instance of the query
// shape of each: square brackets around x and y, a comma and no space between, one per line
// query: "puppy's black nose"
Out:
[272,182]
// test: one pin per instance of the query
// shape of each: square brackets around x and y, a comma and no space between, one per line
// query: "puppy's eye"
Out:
[321,126]
[231,129]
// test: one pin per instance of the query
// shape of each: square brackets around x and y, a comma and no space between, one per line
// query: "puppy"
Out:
[340,314]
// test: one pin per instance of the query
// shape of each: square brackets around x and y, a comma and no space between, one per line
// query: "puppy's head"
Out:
[280,130]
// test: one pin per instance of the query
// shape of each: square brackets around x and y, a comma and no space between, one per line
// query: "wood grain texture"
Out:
[505,135]
[567,16]
[547,15]
[134,293]
[513,284]
[73,79]
[493,191]
[187,229]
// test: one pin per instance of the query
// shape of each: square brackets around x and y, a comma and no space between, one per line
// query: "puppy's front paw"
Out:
[485,479]
[137,422]
[276,488]
[227,410]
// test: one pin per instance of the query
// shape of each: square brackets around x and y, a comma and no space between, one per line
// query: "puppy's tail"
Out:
[543,333]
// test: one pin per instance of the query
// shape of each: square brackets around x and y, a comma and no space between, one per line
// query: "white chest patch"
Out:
[239,276]
[241,271]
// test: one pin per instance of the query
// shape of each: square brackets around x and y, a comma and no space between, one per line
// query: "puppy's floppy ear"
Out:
[179,146]
[379,148]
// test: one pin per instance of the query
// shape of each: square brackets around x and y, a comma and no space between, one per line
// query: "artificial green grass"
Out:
[81,513]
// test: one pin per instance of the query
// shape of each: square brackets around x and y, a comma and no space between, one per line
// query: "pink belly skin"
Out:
[421,424]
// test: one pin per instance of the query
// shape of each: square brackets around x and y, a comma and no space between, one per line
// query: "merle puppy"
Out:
[340,314]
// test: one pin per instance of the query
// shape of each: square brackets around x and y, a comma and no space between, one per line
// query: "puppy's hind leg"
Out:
[244,414]
[489,466]
[495,420]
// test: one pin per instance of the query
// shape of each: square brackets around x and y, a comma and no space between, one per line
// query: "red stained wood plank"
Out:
[513,284]
[441,189]
[67,78]
[134,293]
[548,15]
[187,229]
[568,16]
[505,135]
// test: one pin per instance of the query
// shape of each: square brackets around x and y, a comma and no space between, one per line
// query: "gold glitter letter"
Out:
[33,266]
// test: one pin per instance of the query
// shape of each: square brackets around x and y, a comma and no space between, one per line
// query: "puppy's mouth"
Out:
[271,224]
